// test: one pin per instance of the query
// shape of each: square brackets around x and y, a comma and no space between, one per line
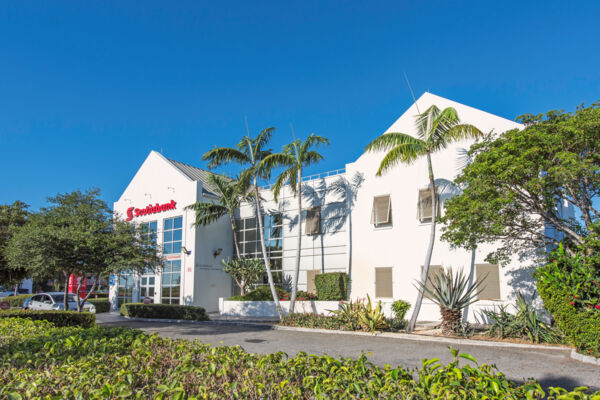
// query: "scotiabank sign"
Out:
[150,209]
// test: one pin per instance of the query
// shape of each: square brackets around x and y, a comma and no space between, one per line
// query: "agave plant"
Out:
[452,293]
[372,316]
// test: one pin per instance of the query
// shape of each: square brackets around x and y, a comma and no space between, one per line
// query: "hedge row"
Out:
[40,361]
[58,318]
[102,305]
[17,301]
[163,311]
[582,327]
[331,286]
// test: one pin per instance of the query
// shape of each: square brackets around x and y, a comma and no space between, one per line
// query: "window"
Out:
[310,281]
[125,291]
[425,206]
[149,232]
[313,221]
[171,282]
[147,286]
[383,282]
[172,235]
[433,271]
[249,241]
[382,210]
[490,288]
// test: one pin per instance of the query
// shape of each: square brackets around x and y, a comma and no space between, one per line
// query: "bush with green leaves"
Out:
[102,305]
[565,285]
[245,271]
[17,301]
[261,293]
[40,361]
[57,317]
[331,286]
[400,308]
[163,311]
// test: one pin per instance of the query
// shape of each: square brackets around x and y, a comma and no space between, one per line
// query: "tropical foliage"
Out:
[41,361]
[57,317]
[164,311]
[436,129]
[294,157]
[452,292]
[11,217]
[331,286]
[517,181]
[250,152]
[244,271]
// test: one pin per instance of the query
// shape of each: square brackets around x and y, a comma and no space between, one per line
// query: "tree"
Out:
[294,157]
[517,184]
[435,130]
[11,216]
[244,271]
[77,235]
[250,152]
[231,195]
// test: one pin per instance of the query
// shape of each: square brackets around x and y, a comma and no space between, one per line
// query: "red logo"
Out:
[150,209]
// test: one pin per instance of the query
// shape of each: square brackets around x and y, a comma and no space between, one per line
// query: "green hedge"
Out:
[42,362]
[17,301]
[163,311]
[58,318]
[331,286]
[102,305]
[582,327]
[262,293]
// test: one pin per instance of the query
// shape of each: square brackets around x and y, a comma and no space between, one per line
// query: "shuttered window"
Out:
[310,281]
[433,271]
[490,288]
[313,221]
[383,282]
[382,210]
[425,206]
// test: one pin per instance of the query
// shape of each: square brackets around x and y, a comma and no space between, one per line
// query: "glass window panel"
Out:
[144,280]
[251,236]
[166,281]
[176,265]
[143,292]
[151,291]
[177,222]
[168,224]
[165,301]
[175,279]
[177,235]
[168,236]
[250,223]
[276,232]
[153,226]
[277,219]
[166,291]
[152,280]
[175,291]
[168,248]
[250,247]
[177,247]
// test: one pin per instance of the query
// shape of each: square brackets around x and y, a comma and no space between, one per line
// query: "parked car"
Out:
[55,301]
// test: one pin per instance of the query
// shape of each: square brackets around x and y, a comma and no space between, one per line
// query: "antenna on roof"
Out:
[411,92]
[246,120]
[293,135]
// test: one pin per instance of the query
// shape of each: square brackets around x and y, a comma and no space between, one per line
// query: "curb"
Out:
[585,359]
[186,321]
[424,338]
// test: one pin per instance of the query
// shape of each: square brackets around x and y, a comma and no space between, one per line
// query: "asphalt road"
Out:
[548,367]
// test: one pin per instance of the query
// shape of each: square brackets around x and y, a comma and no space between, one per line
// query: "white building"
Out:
[374,228]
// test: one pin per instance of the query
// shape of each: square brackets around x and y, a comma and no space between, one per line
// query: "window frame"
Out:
[388,222]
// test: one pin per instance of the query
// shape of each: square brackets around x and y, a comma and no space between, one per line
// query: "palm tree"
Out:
[250,152]
[436,129]
[231,195]
[294,157]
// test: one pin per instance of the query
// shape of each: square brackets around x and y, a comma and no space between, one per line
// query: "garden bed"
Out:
[41,361]
[232,308]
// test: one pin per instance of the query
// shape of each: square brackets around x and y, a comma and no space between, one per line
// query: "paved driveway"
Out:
[549,367]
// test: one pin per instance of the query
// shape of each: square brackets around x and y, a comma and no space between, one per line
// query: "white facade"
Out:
[348,240]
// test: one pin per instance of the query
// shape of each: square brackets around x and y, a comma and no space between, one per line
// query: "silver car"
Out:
[55,301]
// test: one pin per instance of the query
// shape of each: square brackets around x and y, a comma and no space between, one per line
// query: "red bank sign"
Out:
[150,209]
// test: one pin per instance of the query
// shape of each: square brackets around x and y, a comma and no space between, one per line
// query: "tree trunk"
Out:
[450,320]
[66,299]
[16,289]
[299,249]
[264,250]
[415,314]
[81,302]
[235,238]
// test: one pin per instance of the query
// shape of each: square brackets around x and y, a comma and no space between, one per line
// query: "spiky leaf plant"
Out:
[452,292]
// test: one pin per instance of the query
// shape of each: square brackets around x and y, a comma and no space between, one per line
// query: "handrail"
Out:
[313,177]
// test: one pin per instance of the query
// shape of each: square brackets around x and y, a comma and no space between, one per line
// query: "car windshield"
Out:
[59,298]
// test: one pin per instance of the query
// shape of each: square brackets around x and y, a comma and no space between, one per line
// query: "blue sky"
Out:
[88,89]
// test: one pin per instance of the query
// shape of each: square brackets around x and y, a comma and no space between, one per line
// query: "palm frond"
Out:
[424,121]
[263,139]
[313,141]
[276,160]
[402,154]
[311,157]
[224,155]
[463,131]
[207,213]
[388,141]
[287,176]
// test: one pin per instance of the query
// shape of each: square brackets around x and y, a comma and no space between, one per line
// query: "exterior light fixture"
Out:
[185,251]
[217,252]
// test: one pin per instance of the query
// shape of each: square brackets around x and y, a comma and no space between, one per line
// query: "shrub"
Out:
[102,305]
[58,318]
[331,286]
[17,301]
[41,361]
[317,321]
[400,308]
[301,295]
[262,293]
[164,311]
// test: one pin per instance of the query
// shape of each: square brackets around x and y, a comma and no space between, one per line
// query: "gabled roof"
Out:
[196,174]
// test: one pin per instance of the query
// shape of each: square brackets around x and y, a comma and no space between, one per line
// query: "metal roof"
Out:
[196,174]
